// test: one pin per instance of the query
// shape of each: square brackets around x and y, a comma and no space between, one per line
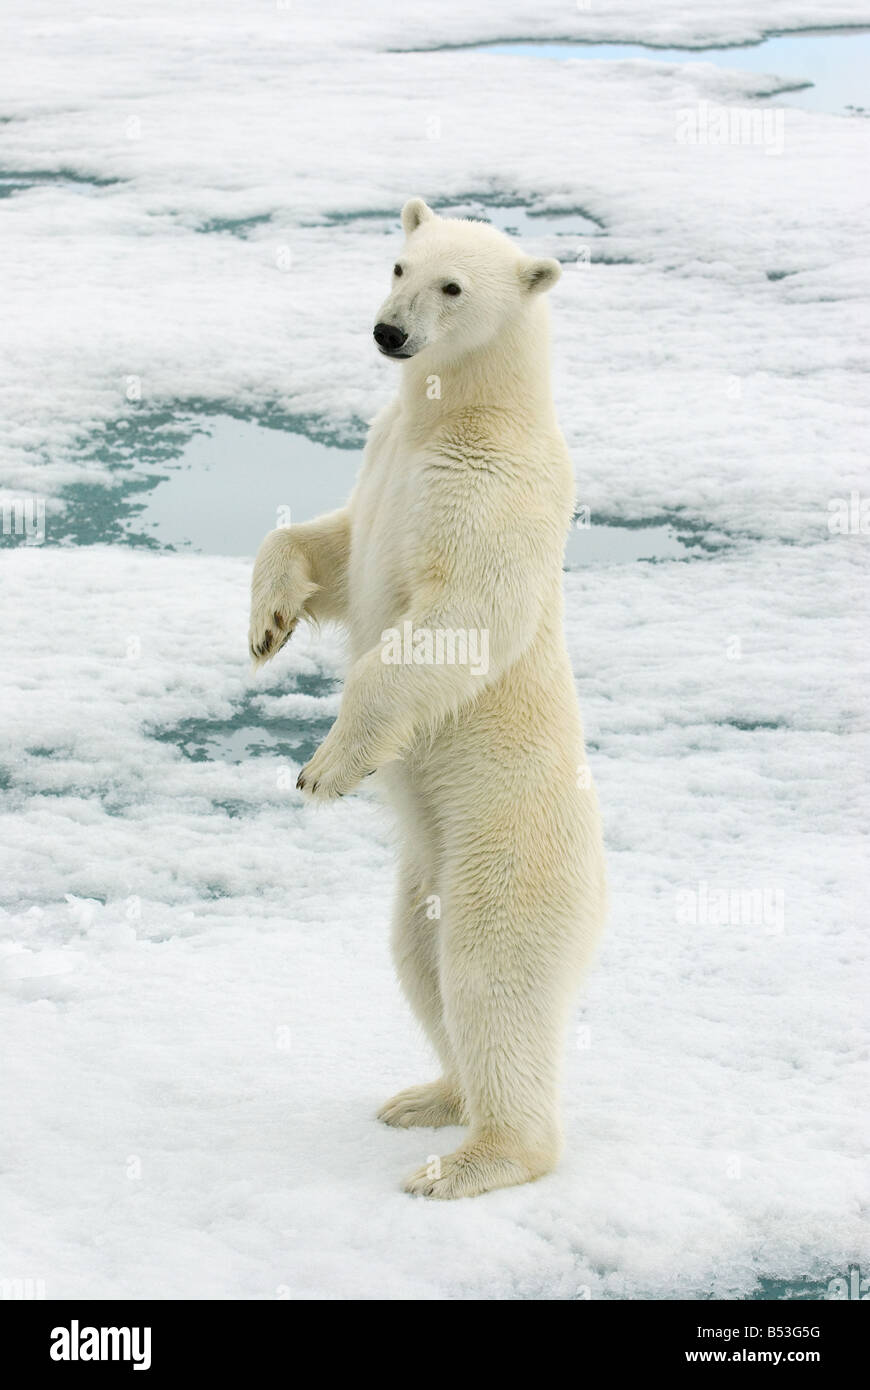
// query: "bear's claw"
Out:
[267,646]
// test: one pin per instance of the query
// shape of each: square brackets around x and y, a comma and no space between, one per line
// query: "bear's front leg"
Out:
[300,572]
[336,768]
[280,587]
[372,728]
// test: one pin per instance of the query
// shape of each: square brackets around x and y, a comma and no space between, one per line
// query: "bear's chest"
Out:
[385,536]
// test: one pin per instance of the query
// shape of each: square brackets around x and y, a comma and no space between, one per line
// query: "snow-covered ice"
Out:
[198,1009]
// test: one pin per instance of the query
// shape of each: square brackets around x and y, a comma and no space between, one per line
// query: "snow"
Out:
[199,1012]
[141,302]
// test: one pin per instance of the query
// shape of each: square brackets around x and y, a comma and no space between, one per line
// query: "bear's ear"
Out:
[414,212]
[538,275]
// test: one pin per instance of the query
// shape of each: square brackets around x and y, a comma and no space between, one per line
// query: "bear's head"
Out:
[455,286]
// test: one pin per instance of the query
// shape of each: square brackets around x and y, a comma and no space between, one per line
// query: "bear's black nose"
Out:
[389,337]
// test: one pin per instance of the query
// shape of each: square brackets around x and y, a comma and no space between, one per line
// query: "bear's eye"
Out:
[452,288]
[397,270]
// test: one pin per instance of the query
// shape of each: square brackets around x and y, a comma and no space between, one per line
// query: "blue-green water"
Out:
[249,733]
[214,483]
[577,232]
[824,70]
[219,485]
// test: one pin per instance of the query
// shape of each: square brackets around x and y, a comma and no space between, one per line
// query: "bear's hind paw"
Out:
[470,1171]
[430,1107]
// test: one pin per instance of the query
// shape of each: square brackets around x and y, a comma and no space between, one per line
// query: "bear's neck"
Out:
[510,375]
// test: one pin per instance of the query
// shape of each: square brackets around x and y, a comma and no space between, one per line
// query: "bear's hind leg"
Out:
[415,951]
[511,955]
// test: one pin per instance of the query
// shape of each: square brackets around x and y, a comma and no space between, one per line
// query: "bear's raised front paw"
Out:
[280,588]
[268,633]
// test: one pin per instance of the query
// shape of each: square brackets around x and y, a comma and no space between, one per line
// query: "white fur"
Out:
[458,522]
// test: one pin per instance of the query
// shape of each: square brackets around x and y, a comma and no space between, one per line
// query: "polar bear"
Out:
[446,569]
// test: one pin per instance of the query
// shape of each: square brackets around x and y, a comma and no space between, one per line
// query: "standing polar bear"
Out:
[446,569]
